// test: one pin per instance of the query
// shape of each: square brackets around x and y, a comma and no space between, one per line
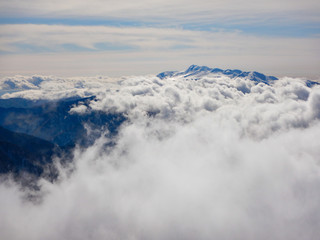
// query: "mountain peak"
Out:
[197,71]
[194,68]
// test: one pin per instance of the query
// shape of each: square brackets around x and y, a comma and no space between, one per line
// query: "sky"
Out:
[115,38]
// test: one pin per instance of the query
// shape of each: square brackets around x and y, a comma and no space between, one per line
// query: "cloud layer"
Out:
[53,37]
[199,158]
[164,11]
[56,49]
[122,37]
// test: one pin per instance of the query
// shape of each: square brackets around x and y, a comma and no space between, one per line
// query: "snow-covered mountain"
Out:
[196,72]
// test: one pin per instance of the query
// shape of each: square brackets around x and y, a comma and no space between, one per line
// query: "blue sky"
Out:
[125,37]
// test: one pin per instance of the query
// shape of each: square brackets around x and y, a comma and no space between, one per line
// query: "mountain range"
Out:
[200,71]
[32,132]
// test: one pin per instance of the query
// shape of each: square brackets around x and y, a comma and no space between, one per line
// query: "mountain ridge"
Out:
[20,152]
[197,71]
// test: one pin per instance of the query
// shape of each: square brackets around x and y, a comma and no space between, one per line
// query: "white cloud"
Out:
[214,162]
[50,87]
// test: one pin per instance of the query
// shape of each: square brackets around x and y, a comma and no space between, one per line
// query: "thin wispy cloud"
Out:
[54,37]
[175,32]
[105,45]
[162,11]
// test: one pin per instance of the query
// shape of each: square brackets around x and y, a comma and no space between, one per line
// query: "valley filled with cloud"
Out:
[199,154]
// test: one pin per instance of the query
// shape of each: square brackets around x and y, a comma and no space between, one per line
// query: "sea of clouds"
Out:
[204,158]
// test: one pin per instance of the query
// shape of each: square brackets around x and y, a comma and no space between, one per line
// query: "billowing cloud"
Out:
[199,158]
[50,87]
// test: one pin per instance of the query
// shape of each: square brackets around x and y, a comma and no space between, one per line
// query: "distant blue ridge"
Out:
[311,84]
[166,74]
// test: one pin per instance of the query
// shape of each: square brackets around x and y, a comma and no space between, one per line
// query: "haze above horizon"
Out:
[115,38]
